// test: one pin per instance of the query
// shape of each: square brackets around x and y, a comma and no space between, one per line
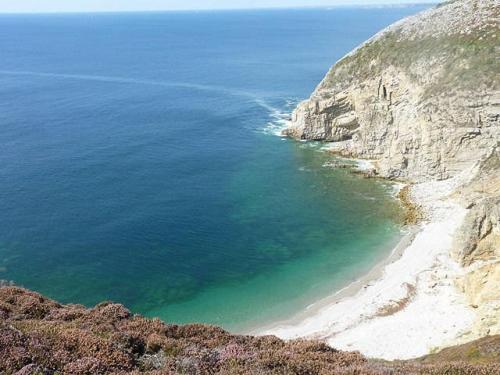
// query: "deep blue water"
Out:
[138,162]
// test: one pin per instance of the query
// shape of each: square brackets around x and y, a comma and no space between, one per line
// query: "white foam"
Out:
[126,80]
[279,118]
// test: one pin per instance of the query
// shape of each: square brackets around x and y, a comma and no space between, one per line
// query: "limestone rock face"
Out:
[422,97]
[479,237]
[477,245]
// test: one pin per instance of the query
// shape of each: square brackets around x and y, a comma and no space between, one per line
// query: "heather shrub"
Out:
[39,336]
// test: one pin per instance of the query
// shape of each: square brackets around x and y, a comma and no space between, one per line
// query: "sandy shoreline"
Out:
[407,305]
[350,290]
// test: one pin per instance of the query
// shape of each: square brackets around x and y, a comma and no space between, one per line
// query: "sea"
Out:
[141,163]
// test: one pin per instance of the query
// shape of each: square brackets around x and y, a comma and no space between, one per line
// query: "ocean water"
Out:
[139,163]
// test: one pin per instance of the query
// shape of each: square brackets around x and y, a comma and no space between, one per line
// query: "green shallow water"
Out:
[314,229]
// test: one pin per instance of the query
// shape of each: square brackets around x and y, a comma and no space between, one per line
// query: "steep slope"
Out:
[40,336]
[477,245]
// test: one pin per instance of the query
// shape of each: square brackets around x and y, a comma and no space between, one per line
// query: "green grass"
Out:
[469,61]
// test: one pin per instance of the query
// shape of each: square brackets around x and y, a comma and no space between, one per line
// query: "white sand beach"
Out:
[406,307]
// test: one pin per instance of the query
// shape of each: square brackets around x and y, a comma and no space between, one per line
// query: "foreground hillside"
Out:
[40,336]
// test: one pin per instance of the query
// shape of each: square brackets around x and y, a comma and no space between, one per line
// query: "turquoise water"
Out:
[138,163]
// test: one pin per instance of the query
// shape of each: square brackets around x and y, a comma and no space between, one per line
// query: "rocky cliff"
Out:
[422,100]
[421,97]
[477,244]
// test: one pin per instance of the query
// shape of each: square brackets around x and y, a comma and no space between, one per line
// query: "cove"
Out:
[139,164]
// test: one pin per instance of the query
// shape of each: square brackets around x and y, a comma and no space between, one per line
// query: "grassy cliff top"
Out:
[453,46]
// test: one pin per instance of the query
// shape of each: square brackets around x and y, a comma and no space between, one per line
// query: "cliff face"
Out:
[477,244]
[421,98]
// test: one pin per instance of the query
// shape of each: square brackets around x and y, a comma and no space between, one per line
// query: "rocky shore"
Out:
[421,99]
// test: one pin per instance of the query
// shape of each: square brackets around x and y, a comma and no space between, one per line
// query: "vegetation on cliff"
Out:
[457,41]
[40,336]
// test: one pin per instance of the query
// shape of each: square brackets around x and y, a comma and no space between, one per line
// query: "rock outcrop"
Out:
[41,336]
[477,245]
[422,100]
